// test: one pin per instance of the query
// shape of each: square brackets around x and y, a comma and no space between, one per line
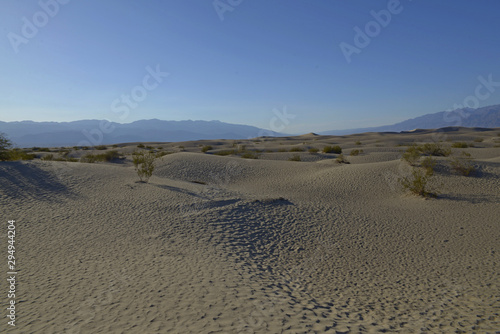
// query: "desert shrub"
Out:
[341,159]
[149,147]
[206,148]
[295,157]
[162,154]
[15,154]
[411,155]
[48,157]
[114,146]
[250,155]
[435,149]
[101,147]
[89,158]
[140,146]
[313,150]
[358,143]
[226,152]
[144,163]
[459,145]
[160,147]
[463,164]
[418,183]
[281,150]
[356,152]
[332,149]
[5,143]
[44,149]
[108,156]
[296,149]
[429,164]
[478,140]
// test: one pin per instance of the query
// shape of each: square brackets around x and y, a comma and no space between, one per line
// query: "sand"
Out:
[222,244]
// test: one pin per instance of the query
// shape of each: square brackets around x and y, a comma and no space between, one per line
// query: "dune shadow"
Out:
[473,199]
[19,180]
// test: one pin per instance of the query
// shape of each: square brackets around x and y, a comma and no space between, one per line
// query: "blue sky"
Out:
[243,61]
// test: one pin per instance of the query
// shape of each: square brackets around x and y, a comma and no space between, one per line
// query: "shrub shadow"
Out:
[19,180]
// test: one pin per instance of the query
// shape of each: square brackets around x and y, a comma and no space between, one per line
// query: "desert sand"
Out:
[223,244]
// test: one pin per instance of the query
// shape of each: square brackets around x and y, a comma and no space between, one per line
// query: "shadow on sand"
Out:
[22,181]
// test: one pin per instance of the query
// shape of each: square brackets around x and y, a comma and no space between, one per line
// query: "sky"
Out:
[295,66]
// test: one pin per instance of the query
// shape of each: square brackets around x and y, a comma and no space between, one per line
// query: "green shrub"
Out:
[5,143]
[149,147]
[226,152]
[332,149]
[313,150]
[411,155]
[15,154]
[114,146]
[435,149]
[206,148]
[250,155]
[296,149]
[358,143]
[356,152]
[418,183]
[429,164]
[108,156]
[140,146]
[48,157]
[463,164]
[459,145]
[144,163]
[295,157]
[478,140]
[342,160]
[101,147]
[162,154]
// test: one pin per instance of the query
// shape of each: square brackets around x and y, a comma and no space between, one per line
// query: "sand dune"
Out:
[221,244]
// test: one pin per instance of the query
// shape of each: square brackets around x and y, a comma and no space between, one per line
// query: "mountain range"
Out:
[485,117]
[96,132]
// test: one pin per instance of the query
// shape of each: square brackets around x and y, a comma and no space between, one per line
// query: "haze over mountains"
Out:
[95,132]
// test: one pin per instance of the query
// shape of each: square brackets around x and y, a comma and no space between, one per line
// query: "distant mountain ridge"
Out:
[485,117]
[96,132]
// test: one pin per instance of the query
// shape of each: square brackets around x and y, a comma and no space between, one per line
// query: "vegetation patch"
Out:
[332,149]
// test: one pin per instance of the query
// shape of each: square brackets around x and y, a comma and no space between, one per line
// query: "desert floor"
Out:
[223,244]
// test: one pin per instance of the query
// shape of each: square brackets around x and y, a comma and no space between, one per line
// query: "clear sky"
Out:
[243,61]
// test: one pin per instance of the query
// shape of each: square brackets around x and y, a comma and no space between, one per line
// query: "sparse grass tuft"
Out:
[101,147]
[358,143]
[313,150]
[295,157]
[478,140]
[226,152]
[296,149]
[140,146]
